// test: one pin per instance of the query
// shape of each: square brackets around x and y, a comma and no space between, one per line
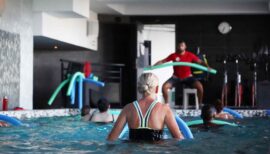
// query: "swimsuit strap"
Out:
[92,115]
[148,113]
[144,119]
[139,112]
[112,118]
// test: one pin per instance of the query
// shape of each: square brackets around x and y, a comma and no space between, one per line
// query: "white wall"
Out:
[180,7]
[162,38]
[17,19]
[69,21]
[63,8]
[82,7]
[69,30]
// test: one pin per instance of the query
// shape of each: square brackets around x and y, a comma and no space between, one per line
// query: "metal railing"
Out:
[107,72]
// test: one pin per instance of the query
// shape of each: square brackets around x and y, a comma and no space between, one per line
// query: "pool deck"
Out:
[26,114]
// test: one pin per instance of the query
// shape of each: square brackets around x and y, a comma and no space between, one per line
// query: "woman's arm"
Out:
[172,125]
[3,124]
[118,126]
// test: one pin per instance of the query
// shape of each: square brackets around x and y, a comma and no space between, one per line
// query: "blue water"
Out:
[70,135]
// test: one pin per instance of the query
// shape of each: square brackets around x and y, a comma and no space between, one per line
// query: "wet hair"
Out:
[207,113]
[85,110]
[103,105]
[218,106]
[147,83]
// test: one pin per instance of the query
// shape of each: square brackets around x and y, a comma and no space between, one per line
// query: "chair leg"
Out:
[196,101]
[171,95]
[184,100]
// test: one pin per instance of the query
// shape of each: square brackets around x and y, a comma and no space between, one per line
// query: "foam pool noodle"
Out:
[58,89]
[197,66]
[73,79]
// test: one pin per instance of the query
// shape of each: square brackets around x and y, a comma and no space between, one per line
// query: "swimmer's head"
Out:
[148,84]
[207,113]
[103,105]
[85,110]
[218,106]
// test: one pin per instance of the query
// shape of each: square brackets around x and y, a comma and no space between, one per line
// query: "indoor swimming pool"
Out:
[71,135]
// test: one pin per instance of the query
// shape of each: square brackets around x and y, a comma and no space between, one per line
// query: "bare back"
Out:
[156,118]
[160,116]
[101,117]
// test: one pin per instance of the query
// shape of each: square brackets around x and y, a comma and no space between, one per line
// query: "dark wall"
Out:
[248,33]
[118,43]
[47,73]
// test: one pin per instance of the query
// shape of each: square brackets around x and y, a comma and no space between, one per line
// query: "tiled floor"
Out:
[25,114]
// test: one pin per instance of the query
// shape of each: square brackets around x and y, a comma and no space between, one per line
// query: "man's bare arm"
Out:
[160,62]
[202,63]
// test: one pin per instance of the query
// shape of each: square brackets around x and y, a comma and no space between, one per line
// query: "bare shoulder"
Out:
[164,107]
[127,107]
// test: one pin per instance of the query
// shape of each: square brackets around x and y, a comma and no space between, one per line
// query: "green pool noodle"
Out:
[218,122]
[73,79]
[58,89]
[200,67]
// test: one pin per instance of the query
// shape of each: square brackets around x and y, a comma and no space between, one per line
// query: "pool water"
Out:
[70,135]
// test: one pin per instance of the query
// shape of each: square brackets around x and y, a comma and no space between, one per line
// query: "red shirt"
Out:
[182,72]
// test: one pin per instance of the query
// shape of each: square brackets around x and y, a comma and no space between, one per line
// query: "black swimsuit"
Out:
[143,132]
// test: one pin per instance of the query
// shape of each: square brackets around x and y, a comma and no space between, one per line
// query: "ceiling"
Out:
[45,43]
[162,7]
[179,7]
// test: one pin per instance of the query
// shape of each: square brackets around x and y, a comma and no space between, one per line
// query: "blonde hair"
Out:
[147,83]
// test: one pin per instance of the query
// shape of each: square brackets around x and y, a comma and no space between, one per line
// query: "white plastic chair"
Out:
[186,93]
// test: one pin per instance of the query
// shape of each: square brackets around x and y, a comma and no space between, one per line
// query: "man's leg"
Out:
[165,87]
[198,85]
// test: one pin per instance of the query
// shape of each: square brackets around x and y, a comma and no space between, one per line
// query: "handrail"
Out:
[107,72]
[98,64]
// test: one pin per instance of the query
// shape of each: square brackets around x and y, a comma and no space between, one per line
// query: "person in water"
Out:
[102,115]
[207,116]
[146,117]
[85,113]
[219,111]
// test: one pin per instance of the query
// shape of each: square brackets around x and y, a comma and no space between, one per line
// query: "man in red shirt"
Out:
[182,74]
